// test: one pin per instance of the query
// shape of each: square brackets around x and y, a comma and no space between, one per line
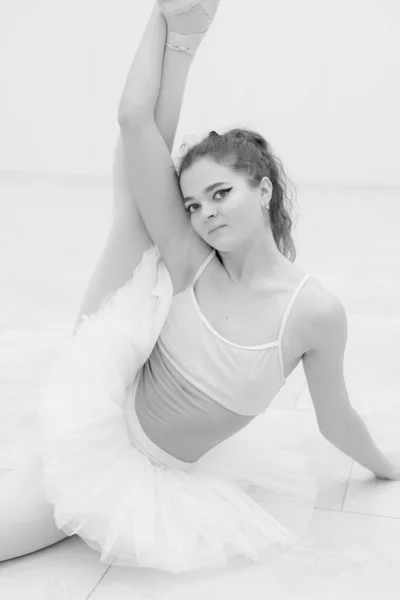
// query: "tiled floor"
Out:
[51,233]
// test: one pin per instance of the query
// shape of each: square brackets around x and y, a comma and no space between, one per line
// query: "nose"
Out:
[209,211]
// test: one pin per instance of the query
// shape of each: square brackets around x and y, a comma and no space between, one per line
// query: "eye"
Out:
[223,191]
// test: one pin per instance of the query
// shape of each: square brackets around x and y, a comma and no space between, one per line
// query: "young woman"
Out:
[145,444]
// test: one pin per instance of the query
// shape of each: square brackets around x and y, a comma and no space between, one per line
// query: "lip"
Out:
[216,228]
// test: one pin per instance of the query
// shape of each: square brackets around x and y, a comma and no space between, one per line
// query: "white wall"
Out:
[319,78]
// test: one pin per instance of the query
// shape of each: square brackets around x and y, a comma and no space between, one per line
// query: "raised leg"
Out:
[160,76]
[26,519]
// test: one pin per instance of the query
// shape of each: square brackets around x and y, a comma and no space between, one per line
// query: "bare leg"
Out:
[160,76]
[26,519]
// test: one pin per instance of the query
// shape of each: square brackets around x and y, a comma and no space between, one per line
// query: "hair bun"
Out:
[213,134]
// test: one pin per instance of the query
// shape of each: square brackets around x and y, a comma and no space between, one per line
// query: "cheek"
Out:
[195,223]
[243,210]
[248,216]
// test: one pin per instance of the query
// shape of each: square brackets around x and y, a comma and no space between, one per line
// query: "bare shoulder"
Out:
[324,319]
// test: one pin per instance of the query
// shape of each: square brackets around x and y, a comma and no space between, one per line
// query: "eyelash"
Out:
[217,192]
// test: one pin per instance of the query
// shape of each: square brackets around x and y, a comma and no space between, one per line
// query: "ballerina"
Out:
[146,445]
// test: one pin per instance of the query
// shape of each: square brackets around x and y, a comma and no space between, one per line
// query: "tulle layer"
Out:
[132,501]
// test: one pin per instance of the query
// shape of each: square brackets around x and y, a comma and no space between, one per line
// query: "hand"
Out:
[394,459]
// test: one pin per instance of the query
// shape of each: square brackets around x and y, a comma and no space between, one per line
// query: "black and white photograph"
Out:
[199,300]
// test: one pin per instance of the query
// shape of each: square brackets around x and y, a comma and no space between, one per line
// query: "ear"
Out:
[266,189]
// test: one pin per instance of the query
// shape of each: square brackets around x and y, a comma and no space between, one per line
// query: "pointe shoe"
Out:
[171,8]
[188,21]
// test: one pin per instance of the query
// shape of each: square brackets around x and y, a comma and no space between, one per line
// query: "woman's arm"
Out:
[338,422]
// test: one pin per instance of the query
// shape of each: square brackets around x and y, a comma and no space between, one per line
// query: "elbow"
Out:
[335,426]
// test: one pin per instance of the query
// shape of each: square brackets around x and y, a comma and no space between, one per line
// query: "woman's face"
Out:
[216,195]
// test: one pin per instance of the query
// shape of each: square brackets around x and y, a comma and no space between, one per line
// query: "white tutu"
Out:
[125,496]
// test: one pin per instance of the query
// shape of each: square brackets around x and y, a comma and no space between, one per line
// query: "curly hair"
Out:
[248,152]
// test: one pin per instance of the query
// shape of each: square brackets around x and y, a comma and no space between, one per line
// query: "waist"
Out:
[141,441]
[173,425]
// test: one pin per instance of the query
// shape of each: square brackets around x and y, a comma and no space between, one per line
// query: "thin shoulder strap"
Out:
[203,266]
[290,304]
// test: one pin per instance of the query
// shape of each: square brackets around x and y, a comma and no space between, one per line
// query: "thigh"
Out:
[26,518]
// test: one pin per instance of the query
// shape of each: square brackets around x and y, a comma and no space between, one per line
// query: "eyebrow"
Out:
[206,190]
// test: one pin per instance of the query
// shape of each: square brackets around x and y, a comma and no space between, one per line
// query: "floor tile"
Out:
[298,432]
[344,556]
[365,494]
[68,570]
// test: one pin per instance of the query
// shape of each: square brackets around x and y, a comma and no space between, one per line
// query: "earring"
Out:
[266,206]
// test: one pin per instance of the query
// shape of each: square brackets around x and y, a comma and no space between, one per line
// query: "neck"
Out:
[256,260]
